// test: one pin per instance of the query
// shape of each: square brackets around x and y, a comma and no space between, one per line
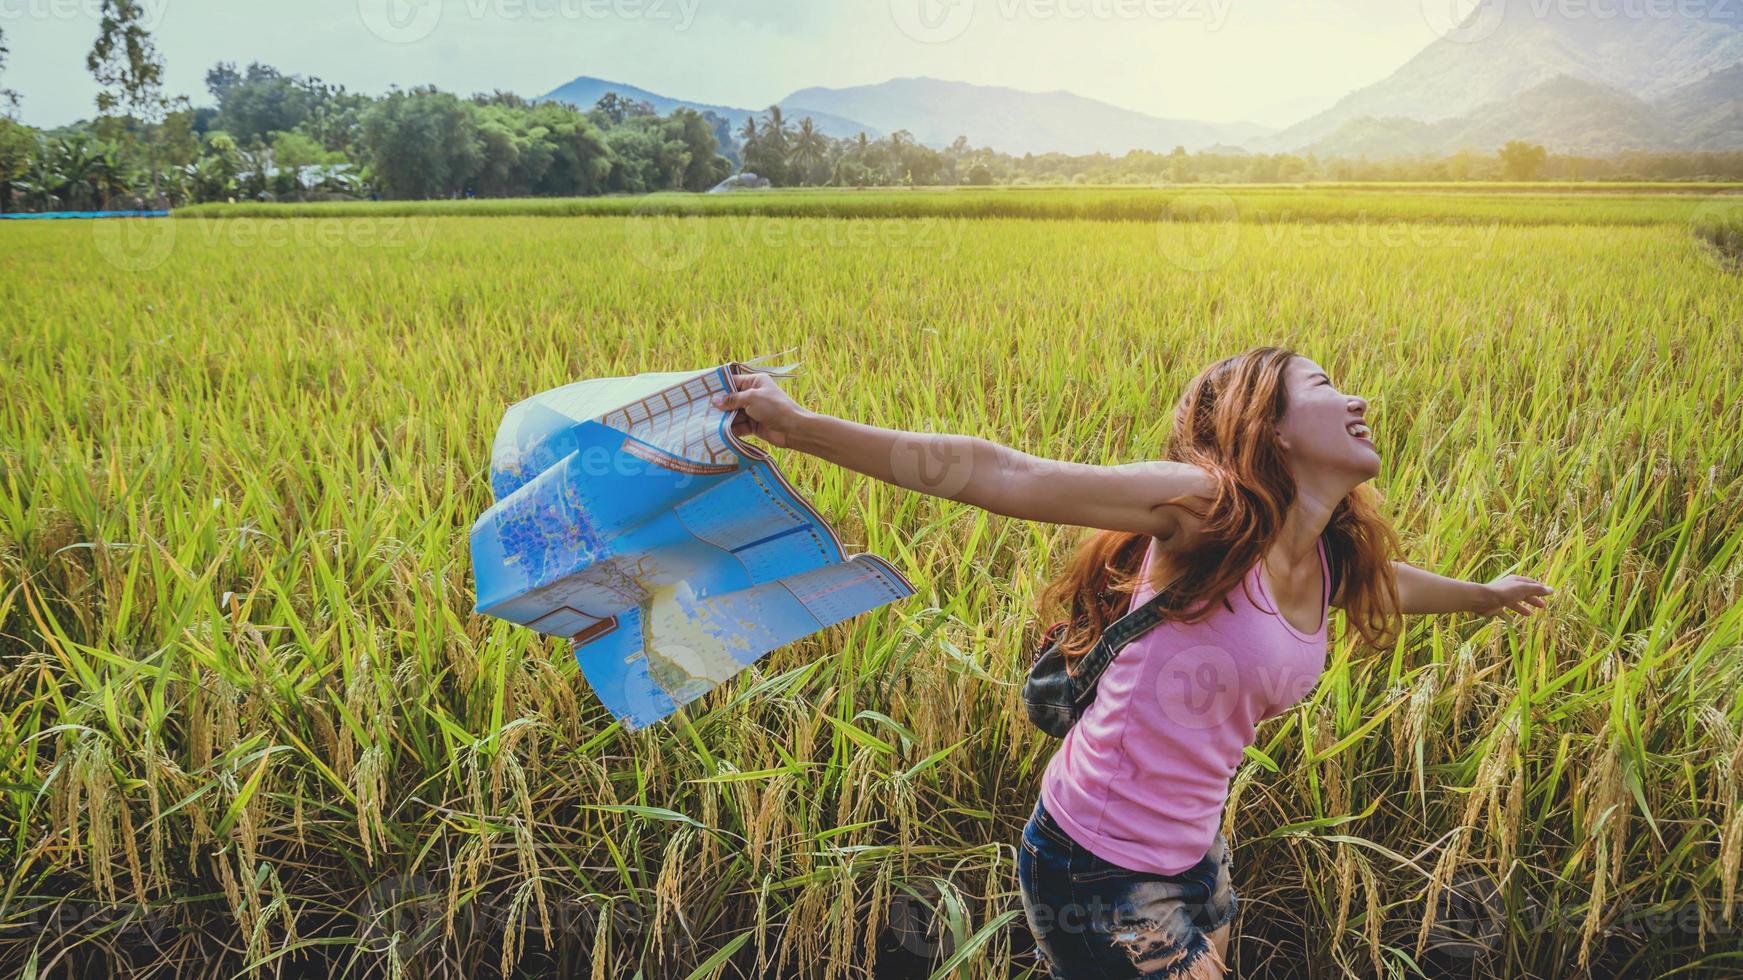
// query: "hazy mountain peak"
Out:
[585,90]
[937,111]
[1505,49]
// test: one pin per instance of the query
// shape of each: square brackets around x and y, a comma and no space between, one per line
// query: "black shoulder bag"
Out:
[1056,699]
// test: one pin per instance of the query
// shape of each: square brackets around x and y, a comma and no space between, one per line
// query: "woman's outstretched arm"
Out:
[972,470]
[1421,591]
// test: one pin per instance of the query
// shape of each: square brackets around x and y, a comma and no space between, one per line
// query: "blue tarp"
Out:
[23,215]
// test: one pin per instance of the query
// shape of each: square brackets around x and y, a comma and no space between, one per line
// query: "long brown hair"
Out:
[1226,422]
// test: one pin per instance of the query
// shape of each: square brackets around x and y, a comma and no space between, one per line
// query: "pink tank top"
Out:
[1140,780]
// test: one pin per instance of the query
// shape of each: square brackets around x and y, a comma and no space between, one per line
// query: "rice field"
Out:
[249,726]
[1513,204]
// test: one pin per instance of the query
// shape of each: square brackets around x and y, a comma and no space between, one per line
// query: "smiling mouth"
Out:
[1361,433]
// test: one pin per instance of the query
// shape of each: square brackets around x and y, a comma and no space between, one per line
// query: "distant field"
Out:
[1629,204]
[249,716]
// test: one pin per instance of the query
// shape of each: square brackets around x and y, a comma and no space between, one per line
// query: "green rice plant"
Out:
[1719,223]
[246,714]
[1476,204]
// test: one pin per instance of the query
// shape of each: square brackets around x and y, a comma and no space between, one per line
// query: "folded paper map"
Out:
[630,519]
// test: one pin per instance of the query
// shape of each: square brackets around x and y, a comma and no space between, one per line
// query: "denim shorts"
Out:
[1094,918]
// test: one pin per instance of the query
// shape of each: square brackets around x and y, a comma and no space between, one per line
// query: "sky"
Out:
[1267,61]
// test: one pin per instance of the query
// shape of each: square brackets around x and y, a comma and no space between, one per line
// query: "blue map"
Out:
[629,519]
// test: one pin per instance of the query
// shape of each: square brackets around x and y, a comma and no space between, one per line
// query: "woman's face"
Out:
[1322,428]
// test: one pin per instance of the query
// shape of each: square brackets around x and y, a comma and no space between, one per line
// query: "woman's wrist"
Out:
[808,433]
[1480,597]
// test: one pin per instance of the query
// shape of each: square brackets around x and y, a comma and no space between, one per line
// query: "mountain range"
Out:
[1014,121]
[935,112]
[1667,77]
[1537,71]
[585,91]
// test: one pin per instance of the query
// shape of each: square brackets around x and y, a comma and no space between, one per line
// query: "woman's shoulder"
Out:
[1185,530]
[1182,528]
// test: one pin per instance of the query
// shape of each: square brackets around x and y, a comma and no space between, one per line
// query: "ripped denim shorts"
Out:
[1093,918]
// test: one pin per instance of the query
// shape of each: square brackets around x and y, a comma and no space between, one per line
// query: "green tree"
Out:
[221,78]
[40,183]
[77,170]
[642,160]
[262,101]
[724,144]
[126,64]
[749,140]
[18,146]
[179,142]
[17,141]
[705,167]
[500,170]
[211,177]
[767,155]
[295,149]
[613,109]
[1521,160]
[422,143]
[111,180]
[8,98]
[808,152]
[580,160]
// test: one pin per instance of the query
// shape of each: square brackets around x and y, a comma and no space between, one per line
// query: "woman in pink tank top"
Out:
[1261,519]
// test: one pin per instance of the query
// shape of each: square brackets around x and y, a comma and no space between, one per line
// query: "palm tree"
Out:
[210,178]
[752,142]
[110,176]
[256,160]
[40,182]
[75,161]
[772,144]
[809,146]
[777,124]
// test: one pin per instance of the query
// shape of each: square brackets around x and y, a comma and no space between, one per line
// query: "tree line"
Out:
[268,135]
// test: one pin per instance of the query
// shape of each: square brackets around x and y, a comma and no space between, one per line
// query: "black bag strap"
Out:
[1114,638]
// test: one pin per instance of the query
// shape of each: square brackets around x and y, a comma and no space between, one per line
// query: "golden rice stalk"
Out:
[1726,759]
[841,919]
[1416,726]
[514,927]
[1445,868]
[669,887]
[768,820]
[1375,916]
[601,941]
[369,782]
[91,798]
[1595,907]
[524,849]
[1464,669]
[1605,795]
[763,925]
